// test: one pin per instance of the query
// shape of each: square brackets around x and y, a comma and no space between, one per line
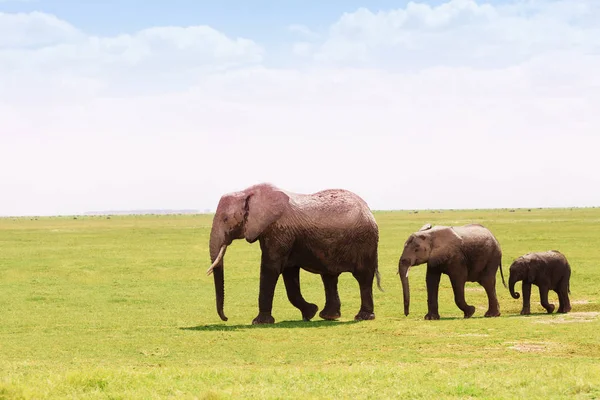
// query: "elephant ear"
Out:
[425,227]
[264,205]
[444,242]
[535,263]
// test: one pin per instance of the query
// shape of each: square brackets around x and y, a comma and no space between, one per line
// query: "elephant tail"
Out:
[502,275]
[378,276]
[569,281]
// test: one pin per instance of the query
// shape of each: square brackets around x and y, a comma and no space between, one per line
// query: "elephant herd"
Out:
[334,231]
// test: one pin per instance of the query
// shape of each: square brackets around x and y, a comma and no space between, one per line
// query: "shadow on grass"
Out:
[535,314]
[507,315]
[478,317]
[282,324]
[504,315]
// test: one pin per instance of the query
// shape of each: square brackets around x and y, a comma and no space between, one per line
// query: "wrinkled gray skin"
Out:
[326,233]
[467,253]
[549,270]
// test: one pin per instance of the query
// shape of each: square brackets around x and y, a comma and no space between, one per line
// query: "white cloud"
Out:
[34,30]
[446,132]
[303,31]
[53,53]
[461,33]
[302,49]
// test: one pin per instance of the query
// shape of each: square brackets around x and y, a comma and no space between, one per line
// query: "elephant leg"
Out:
[489,285]
[564,305]
[331,311]
[526,310]
[365,281]
[268,281]
[544,299]
[291,279]
[433,284]
[458,286]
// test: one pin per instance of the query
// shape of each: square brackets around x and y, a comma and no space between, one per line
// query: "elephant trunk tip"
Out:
[222,316]
[515,295]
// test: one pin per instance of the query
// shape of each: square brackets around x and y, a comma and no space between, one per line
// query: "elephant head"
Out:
[524,269]
[244,214]
[417,250]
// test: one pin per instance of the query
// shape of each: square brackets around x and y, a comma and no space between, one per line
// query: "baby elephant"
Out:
[548,270]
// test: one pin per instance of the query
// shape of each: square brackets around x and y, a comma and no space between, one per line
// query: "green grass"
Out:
[121,308]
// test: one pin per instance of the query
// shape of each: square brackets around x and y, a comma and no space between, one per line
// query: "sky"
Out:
[119,105]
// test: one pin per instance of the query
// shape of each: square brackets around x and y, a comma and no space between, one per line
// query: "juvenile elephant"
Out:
[327,233]
[548,270]
[465,253]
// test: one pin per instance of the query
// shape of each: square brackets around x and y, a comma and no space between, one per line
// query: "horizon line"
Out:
[151,212]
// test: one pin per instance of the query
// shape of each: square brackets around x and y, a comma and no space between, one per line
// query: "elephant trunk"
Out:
[217,251]
[403,271]
[511,286]
[220,292]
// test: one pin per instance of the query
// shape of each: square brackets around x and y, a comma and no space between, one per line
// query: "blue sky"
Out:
[445,104]
[265,19]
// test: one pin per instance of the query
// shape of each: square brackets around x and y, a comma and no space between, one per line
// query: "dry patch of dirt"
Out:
[475,334]
[570,318]
[528,347]
[474,289]
[581,302]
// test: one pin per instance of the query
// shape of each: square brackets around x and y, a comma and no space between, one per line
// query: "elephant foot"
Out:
[364,316]
[330,315]
[563,310]
[263,319]
[309,312]
[525,312]
[432,316]
[469,311]
[490,313]
[550,308]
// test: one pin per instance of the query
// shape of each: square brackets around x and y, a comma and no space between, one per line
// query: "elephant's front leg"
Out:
[526,299]
[291,279]
[331,311]
[458,286]
[268,281]
[544,299]
[433,284]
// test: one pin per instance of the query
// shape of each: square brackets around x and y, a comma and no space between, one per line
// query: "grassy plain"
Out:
[121,308]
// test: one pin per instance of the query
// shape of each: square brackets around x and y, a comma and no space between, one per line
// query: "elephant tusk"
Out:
[407,269]
[217,260]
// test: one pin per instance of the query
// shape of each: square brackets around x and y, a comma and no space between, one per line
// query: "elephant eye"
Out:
[225,219]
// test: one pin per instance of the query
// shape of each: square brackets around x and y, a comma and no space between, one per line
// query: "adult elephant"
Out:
[327,233]
[467,253]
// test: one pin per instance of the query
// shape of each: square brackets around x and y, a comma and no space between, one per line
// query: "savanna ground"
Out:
[121,308]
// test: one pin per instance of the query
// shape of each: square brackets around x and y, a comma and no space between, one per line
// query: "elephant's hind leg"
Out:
[564,304]
[489,285]
[365,281]
[291,279]
[331,311]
